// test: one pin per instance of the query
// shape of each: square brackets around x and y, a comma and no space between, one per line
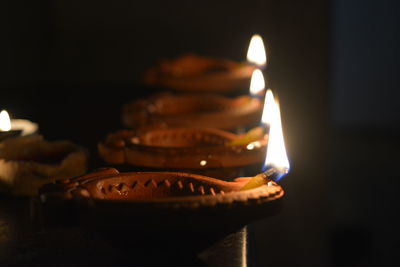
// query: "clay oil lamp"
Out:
[213,111]
[193,73]
[194,110]
[204,151]
[172,210]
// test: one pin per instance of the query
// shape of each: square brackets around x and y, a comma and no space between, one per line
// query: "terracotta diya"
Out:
[194,110]
[193,73]
[205,151]
[142,208]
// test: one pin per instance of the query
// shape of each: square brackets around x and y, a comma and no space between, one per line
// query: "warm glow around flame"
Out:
[5,123]
[256,53]
[257,83]
[276,151]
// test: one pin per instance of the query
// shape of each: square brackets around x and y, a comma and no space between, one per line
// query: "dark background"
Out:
[70,65]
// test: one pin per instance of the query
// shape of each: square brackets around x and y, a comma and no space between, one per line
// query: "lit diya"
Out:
[199,150]
[146,210]
[194,73]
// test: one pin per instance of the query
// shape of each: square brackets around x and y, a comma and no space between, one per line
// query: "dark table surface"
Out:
[25,240]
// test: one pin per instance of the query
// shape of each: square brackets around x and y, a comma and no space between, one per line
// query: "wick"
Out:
[271,173]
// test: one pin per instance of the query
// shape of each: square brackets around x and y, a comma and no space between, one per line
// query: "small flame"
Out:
[269,107]
[5,122]
[276,151]
[257,83]
[256,53]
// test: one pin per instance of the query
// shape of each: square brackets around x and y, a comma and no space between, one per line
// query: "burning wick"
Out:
[272,173]
[276,161]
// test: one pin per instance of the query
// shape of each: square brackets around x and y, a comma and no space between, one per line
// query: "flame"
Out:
[276,151]
[257,83]
[5,122]
[269,107]
[256,53]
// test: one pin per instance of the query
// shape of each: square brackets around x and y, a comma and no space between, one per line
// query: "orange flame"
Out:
[276,152]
